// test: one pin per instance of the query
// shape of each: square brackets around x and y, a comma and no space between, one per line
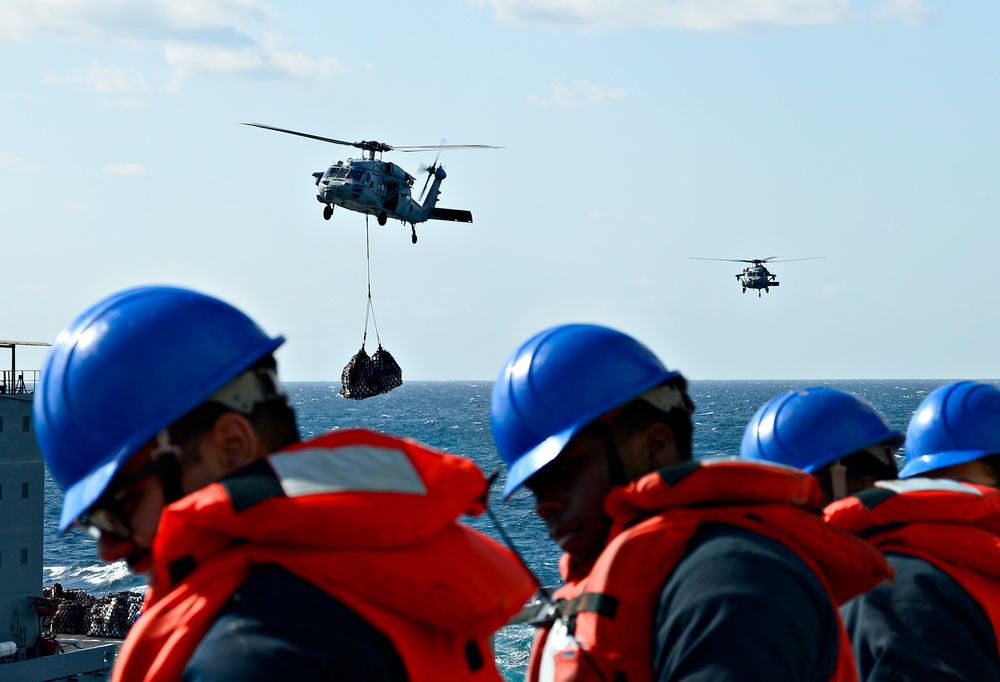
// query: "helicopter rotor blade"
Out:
[790,260]
[725,260]
[295,132]
[426,181]
[433,167]
[432,147]
[431,170]
[371,145]
[759,261]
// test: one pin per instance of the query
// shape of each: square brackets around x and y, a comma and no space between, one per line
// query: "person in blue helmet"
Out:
[674,569]
[160,415]
[849,447]
[939,526]
[832,434]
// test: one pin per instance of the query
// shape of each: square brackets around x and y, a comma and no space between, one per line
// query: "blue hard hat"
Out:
[129,366]
[956,423]
[559,381]
[810,428]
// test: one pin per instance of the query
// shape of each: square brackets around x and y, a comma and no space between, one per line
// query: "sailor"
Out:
[830,433]
[940,529]
[674,568]
[160,415]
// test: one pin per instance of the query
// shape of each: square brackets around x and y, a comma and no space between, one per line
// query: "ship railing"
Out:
[18,382]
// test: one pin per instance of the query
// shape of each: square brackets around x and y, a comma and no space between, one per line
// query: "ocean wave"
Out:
[97,580]
[512,647]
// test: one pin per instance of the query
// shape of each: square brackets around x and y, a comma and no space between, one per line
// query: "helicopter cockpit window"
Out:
[335,172]
[356,174]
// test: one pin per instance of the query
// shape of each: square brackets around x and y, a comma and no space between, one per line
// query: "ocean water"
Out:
[454,416]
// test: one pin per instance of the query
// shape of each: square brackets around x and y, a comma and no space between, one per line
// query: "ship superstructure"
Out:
[22,510]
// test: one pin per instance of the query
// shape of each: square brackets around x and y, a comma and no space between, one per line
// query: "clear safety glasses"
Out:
[107,516]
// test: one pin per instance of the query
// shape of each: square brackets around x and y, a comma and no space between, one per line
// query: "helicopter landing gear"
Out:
[758,293]
[413,234]
[382,217]
[744,290]
[327,212]
[767,290]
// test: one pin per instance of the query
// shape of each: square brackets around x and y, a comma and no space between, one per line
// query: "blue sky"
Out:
[635,136]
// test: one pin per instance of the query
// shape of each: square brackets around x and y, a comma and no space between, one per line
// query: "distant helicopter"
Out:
[756,276]
[382,189]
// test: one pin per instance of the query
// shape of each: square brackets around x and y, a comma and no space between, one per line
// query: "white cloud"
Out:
[192,60]
[909,11]
[129,102]
[597,214]
[131,170]
[214,14]
[13,163]
[700,15]
[102,79]
[562,96]
[126,20]
[198,37]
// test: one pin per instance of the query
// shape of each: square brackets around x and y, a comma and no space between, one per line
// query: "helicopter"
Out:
[381,188]
[755,275]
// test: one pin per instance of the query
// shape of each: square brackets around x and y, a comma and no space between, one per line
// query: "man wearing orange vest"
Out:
[850,448]
[674,569]
[835,436]
[940,529]
[160,415]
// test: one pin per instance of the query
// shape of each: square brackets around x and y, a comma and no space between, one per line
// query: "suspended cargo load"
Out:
[366,376]
[387,370]
[358,378]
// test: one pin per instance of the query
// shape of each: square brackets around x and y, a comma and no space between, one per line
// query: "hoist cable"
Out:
[370,310]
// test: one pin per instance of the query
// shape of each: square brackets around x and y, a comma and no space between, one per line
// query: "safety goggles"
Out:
[107,516]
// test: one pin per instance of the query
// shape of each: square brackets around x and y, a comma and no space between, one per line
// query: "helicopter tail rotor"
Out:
[431,170]
[430,173]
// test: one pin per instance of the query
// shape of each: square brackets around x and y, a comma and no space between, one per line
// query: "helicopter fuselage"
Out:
[369,186]
[382,189]
[757,277]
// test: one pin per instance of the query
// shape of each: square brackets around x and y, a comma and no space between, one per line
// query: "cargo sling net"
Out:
[365,376]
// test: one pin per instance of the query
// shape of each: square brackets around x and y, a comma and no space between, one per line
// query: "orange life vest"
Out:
[368,518]
[654,519]
[951,525]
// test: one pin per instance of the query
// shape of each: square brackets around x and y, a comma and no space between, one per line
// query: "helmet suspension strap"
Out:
[169,473]
[616,467]
[838,479]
